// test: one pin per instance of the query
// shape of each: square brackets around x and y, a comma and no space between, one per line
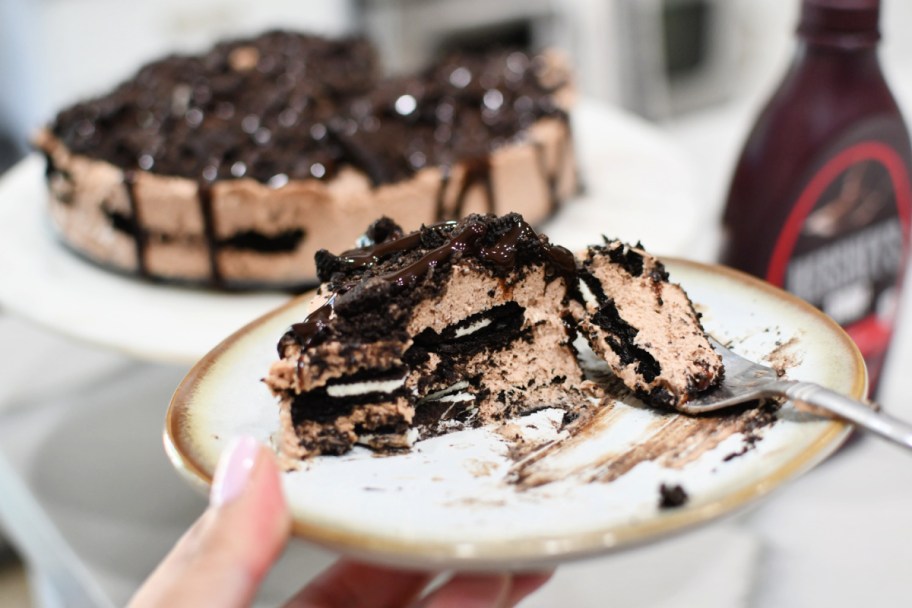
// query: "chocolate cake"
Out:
[455,325]
[234,167]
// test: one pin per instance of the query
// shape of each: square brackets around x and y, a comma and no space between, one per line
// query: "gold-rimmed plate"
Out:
[478,499]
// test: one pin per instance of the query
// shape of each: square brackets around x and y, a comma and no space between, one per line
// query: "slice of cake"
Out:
[456,325]
[234,167]
[645,327]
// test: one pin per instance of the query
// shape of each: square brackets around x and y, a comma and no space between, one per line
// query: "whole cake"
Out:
[234,167]
[464,323]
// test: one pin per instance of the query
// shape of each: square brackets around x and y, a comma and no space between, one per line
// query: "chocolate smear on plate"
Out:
[671,440]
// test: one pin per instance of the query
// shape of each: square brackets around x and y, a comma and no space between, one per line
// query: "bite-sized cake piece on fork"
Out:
[644,326]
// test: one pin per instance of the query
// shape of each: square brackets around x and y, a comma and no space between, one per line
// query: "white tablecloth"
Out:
[89,498]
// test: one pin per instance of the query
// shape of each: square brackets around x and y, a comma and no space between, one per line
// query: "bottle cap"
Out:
[849,23]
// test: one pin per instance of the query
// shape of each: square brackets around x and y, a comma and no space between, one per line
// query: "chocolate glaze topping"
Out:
[400,262]
[291,106]
[499,243]
[312,329]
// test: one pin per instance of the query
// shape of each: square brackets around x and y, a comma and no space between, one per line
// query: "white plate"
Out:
[449,503]
[41,281]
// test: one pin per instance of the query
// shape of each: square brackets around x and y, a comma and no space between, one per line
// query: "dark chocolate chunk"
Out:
[383,230]
[672,496]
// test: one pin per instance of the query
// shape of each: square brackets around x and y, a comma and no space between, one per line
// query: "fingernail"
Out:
[233,470]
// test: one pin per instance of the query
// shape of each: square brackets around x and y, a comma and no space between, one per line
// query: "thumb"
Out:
[225,555]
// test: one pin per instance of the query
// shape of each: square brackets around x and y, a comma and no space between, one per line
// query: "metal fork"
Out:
[745,380]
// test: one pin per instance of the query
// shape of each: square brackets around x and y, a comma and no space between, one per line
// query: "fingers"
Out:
[223,558]
[485,591]
[525,585]
[351,585]
[354,585]
[471,591]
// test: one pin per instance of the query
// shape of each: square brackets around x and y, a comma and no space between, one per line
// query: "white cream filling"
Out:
[588,297]
[452,424]
[462,384]
[456,398]
[471,329]
[367,386]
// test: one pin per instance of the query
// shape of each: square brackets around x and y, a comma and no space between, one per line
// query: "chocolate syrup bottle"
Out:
[820,199]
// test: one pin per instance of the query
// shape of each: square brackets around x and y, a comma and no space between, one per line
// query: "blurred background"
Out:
[681,64]
[661,59]
[696,71]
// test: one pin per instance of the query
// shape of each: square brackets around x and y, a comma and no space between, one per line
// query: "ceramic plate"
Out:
[471,500]
[43,282]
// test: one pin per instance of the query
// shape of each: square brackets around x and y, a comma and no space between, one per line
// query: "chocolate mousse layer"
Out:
[234,167]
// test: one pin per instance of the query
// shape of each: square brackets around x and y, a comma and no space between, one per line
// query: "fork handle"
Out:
[849,409]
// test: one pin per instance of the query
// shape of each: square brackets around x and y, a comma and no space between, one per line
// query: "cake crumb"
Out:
[672,496]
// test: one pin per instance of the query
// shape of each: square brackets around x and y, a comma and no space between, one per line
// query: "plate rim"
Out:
[541,550]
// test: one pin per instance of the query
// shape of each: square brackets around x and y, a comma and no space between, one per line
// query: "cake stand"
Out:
[632,175]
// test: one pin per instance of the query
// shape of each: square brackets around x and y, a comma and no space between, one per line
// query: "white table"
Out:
[90,500]
[88,497]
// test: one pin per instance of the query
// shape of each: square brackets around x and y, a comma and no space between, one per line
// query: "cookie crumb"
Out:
[671,496]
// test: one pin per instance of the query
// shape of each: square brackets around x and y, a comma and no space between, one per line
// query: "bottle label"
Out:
[845,242]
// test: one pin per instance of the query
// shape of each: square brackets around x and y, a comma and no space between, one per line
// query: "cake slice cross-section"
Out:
[471,322]
[453,326]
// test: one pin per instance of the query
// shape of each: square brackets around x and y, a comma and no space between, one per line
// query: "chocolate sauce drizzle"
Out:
[52,172]
[311,330]
[204,195]
[551,176]
[50,168]
[365,256]
[477,172]
[471,238]
[441,214]
[139,235]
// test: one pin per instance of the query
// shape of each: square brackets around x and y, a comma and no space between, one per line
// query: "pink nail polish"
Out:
[233,470]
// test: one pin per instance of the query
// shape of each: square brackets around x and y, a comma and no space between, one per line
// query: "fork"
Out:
[745,380]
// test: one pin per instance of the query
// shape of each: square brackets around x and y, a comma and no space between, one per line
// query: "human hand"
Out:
[224,557]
